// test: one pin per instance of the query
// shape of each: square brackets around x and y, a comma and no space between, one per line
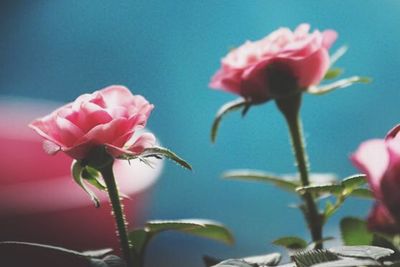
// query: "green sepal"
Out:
[354,232]
[252,175]
[291,242]
[77,170]
[157,152]
[93,177]
[333,73]
[224,110]
[323,89]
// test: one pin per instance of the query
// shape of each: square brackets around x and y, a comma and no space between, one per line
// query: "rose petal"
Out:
[309,71]
[372,158]
[146,140]
[380,220]
[68,133]
[50,148]
[88,116]
[393,132]
[302,30]
[329,37]
[227,79]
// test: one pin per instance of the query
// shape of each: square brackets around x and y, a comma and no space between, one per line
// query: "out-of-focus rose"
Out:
[106,117]
[277,65]
[379,159]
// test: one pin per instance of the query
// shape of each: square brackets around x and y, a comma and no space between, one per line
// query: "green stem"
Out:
[118,213]
[290,107]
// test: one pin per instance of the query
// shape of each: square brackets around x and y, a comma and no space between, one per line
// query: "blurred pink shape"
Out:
[40,201]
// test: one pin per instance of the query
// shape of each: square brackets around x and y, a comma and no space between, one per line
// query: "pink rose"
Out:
[380,160]
[277,64]
[106,117]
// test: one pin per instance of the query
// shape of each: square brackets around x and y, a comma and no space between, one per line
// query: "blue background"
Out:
[167,51]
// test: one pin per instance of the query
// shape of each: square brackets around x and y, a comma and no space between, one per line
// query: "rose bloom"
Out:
[300,58]
[379,159]
[106,117]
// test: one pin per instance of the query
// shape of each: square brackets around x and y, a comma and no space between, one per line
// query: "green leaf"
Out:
[334,189]
[386,241]
[224,110]
[109,261]
[346,187]
[99,253]
[323,89]
[77,169]
[354,181]
[367,252]
[291,242]
[333,73]
[203,228]
[362,193]
[33,254]
[354,232]
[36,247]
[164,152]
[199,227]
[338,54]
[348,262]
[313,257]
[271,259]
[233,263]
[250,175]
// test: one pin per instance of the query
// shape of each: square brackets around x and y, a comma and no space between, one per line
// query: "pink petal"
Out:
[116,95]
[88,116]
[309,70]
[110,132]
[302,29]
[146,140]
[302,48]
[329,37]
[45,127]
[372,158]
[50,148]
[68,133]
[116,151]
[227,79]
[380,220]
[393,132]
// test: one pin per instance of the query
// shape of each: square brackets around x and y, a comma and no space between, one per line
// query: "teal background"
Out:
[167,51]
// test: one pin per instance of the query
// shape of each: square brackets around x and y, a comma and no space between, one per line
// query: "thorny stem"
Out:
[119,216]
[290,107]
